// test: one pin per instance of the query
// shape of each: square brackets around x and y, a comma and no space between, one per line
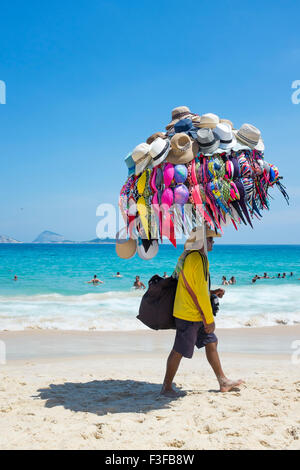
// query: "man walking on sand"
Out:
[195,328]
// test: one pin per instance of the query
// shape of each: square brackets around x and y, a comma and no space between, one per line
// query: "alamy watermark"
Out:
[296,94]
[2,353]
[142,221]
[2,92]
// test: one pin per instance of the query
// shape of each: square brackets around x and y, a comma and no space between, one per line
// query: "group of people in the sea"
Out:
[232,280]
[265,276]
[138,284]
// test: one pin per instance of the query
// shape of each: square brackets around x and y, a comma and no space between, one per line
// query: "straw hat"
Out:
[196,238]
[183,150]
[141,157]
[224,133]
[209,120]
[125,248]
[159,150]
[208,141]
[212,233]
[154,136]
[250,136]
[196,120]
[226,121]
[178,113]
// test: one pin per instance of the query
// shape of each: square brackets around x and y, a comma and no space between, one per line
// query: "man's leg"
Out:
[172,367]
[213,358]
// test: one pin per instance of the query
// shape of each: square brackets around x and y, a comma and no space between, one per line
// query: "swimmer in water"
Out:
[138,284]
[118,275]
[165,275]
[15,277]
[224,281]
[95,281]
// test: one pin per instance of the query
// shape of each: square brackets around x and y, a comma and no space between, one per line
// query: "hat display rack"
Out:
[201,163]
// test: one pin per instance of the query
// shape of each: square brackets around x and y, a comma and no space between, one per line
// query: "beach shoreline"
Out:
[37,344]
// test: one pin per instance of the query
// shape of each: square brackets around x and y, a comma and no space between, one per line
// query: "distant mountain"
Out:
[5,239]
[102,241]
[51,237]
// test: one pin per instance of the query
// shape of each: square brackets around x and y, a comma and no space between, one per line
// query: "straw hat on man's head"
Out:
[196,238]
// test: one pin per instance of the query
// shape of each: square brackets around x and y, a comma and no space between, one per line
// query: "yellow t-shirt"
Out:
[184,306]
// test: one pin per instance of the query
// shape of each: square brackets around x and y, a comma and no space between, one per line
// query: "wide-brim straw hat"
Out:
[183,149]
[154,136]
[125,248]
[179,113]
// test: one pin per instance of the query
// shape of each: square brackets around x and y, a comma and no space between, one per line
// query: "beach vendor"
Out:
[192,329]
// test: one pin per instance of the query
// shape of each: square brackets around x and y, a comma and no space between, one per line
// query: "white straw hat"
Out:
[159,150]
[225,134]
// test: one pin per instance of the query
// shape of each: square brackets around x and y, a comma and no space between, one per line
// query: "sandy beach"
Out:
[92,390]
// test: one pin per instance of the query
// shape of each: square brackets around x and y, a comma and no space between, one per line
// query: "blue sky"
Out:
[87,81]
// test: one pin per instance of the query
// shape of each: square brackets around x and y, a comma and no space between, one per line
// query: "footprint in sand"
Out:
[6,410]
[265,444]
[175,443]
[294,432]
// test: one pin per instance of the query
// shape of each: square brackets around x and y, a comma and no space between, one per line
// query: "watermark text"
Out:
[2,92]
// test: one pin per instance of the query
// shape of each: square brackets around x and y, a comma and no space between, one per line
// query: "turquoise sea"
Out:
[52,290]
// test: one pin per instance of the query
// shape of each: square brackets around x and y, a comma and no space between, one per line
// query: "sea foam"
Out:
[241,306]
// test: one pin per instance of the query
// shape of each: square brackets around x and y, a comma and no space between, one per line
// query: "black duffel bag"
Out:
[156,309]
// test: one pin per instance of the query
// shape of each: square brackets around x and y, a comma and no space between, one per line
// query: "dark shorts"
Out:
[190,334]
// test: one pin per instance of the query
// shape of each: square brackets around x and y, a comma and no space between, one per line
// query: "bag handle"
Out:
[192,294]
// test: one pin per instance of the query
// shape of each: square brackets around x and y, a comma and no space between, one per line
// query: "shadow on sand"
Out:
[105,396]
